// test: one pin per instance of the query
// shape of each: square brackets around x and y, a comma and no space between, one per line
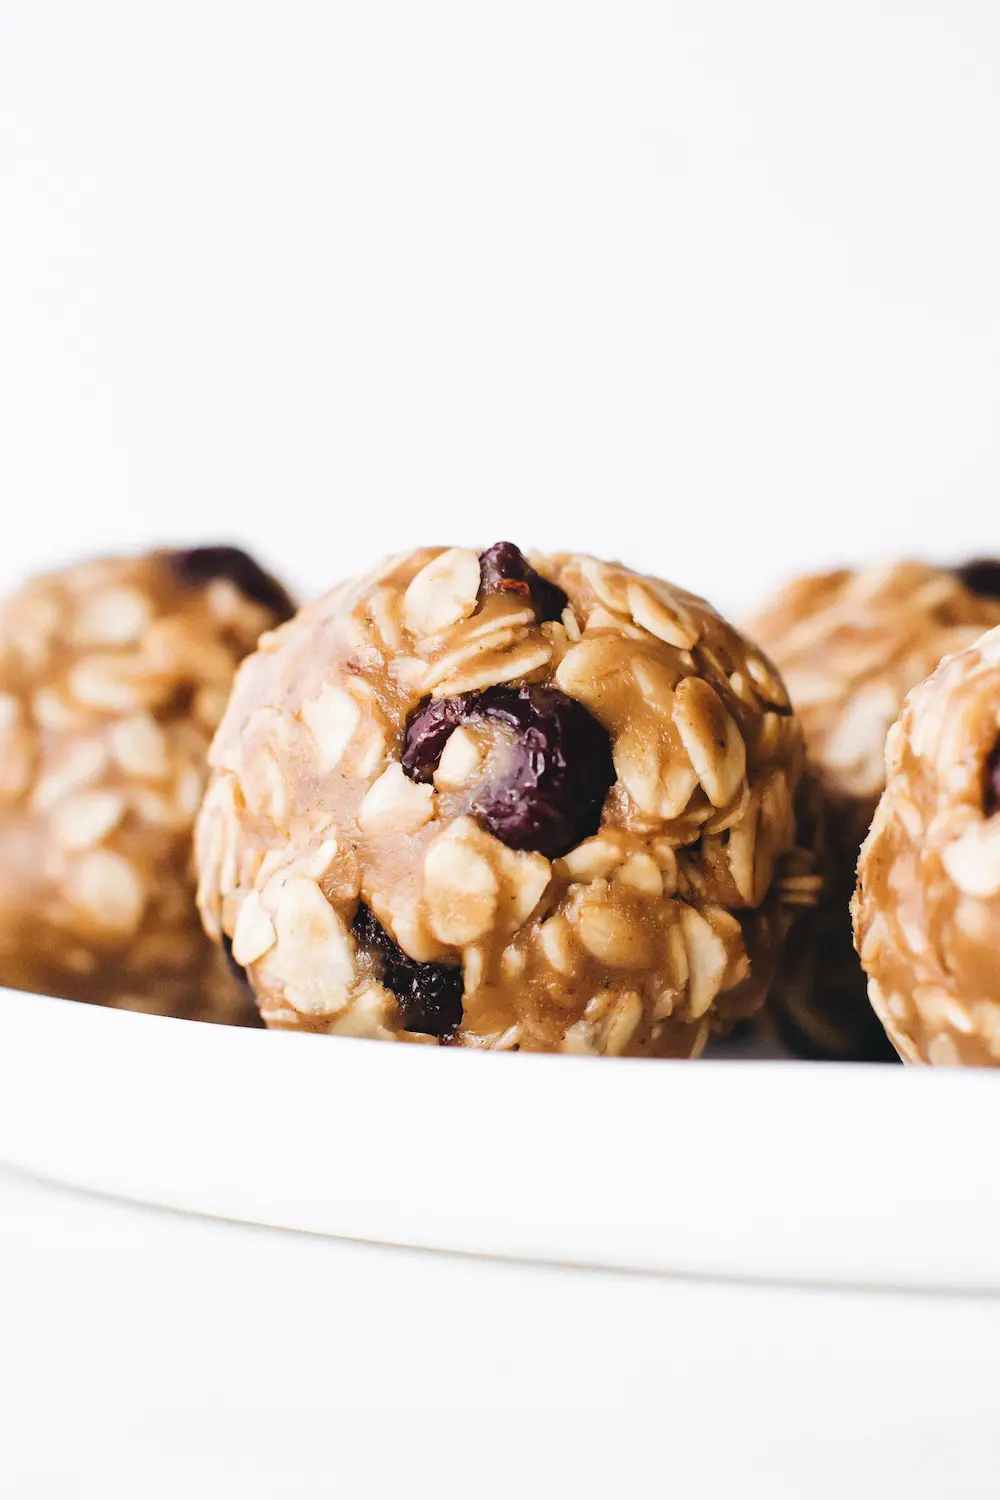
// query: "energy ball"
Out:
[850,645]
[493,802]
[113,677]
[927,910]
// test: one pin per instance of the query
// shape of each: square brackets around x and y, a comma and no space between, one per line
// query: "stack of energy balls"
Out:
[480,799]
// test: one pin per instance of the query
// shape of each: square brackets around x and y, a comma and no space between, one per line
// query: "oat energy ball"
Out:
[927,911]
[504,804]
[113,677]
[850,645]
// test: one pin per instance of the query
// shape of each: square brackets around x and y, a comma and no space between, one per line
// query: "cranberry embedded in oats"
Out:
[505,569]
[429,730]
[850,646]
[543,806]
[113,677]
[547,787]
[429,995]
[197,566]
[981,576]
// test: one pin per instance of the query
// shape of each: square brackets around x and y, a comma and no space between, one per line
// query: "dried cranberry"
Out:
[991,778]
[981,576]
[429,995]
[503,569]
[200,565]
[428,731]
[552,794]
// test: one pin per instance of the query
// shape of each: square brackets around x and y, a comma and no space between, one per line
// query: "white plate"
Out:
[794,1171]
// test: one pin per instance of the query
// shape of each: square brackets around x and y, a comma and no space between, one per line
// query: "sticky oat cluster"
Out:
[850,645]
[927,911]
[113,677]
[476,799]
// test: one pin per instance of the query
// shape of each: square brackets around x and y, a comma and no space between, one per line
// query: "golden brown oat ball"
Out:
[113,677]
[927,911]
[850,645]
[476,800]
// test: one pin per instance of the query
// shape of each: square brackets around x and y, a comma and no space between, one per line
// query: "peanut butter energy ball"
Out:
[927,911]
[504,804]
[850,646]
[113,677]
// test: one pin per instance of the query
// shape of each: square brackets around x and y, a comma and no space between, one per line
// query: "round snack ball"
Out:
[501,803]
[850,645]
[113,677]
[927,909]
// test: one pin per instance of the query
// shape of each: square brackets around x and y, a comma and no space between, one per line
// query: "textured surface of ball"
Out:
[488,801]
[850,645]
[927,911]
[113,677]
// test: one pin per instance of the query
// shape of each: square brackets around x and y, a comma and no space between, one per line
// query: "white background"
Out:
[711,286]
[154,1357]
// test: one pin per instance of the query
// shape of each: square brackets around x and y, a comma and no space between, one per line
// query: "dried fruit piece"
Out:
[503,569]
[197,566]
[550,795]
[981,576]
[429,995]
[427,732]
